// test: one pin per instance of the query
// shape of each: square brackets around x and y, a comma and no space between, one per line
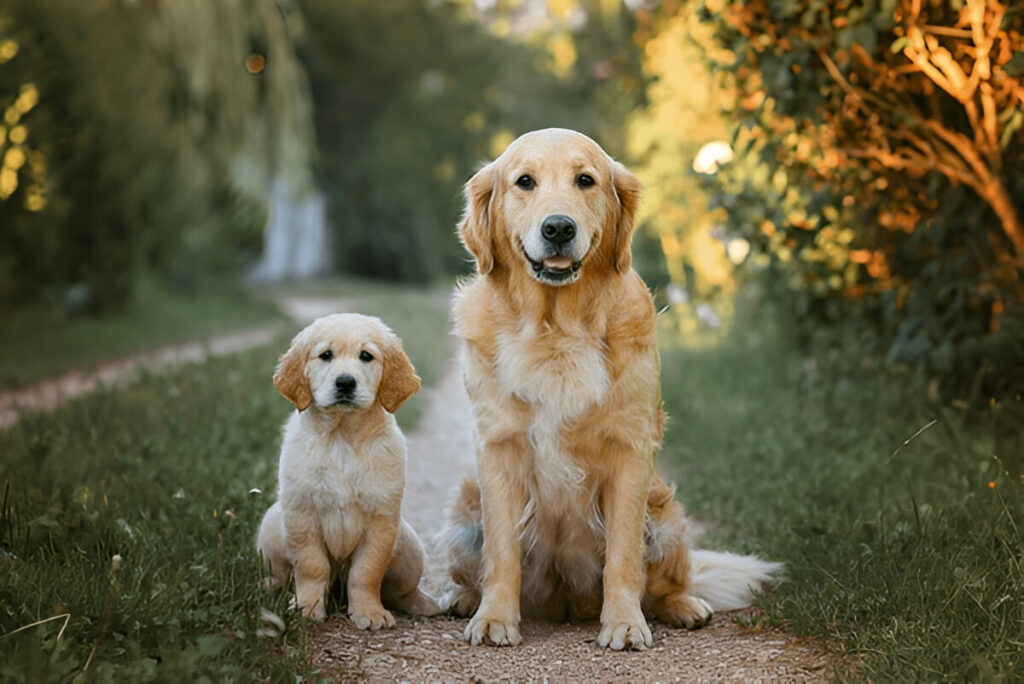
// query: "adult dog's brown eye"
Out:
[327,355]
[365,356]
[584,180]
[525,182]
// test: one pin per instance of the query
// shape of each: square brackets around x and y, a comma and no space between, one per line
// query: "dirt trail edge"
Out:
[46,395]
[440,455]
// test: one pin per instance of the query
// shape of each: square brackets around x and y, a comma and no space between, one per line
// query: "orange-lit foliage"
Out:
[892,117]
[898,126]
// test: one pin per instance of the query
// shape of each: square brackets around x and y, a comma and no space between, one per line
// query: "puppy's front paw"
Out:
[497,631]
[683,610]
[372,619]
[622,635]
[316,612]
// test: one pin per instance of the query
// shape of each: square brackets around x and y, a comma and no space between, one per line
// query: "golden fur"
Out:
[342,474]
[562,367]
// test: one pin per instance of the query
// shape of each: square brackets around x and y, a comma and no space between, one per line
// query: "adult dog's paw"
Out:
[683,610]
[373,619]
[483,629]
[622,635]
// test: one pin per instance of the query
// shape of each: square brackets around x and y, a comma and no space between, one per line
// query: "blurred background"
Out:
[831,227]
[855,164]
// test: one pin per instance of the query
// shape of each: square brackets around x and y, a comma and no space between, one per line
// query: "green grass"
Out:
[40,343]
[900,555]
[160,474]
[897,550]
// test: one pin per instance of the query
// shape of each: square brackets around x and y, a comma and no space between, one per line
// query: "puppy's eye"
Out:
[525,182]
[365,356]
[327,355]
[584,180]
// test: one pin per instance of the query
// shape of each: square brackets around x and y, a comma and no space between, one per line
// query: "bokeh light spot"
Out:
[8,182]
[255,63]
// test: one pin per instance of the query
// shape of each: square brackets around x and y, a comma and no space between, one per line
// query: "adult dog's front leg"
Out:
[624,503]
[503,499]
[369,564]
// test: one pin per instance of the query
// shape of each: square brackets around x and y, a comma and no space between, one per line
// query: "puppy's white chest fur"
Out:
[323,479]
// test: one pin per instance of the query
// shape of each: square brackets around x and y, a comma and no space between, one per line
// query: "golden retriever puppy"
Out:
[342,474]
[567,518]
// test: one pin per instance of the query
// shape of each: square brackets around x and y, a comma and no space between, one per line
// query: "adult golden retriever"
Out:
[567,518]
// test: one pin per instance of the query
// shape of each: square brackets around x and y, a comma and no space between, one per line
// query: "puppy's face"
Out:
[346,362]
[551,203]
[344,371]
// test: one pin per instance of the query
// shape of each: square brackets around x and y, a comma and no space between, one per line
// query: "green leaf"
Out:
[1015,67]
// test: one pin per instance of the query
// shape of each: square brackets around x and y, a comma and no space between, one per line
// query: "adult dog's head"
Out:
[552,206]
[346,362]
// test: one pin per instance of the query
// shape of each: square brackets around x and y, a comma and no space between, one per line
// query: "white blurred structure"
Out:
[296,240]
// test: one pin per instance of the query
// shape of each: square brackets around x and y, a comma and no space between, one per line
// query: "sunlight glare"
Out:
[712,156]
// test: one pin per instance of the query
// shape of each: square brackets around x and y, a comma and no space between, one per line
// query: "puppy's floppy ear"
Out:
[475,229]
[399,380]
[627,189]
[290,377]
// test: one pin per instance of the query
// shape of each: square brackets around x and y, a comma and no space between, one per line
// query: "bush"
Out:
[880,170]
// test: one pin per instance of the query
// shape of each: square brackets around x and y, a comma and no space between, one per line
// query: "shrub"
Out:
[880,169]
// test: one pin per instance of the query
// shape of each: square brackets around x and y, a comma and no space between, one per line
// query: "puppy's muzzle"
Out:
[344,388]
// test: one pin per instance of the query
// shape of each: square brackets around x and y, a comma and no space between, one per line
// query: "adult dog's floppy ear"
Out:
[475,228]
[290,377]
[627,189]
[399,380]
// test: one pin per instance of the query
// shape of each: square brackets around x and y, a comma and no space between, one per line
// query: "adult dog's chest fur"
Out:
[562,376]
[559,373]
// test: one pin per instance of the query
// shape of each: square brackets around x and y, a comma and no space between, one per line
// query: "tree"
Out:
[879,168]
[896,120]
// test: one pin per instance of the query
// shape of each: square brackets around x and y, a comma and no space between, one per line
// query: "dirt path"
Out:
[440,454]
[48,394]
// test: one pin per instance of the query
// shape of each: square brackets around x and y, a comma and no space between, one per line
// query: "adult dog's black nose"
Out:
[345,383]
[558,229]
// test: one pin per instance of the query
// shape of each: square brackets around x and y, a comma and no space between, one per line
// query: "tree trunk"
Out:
[1002,204]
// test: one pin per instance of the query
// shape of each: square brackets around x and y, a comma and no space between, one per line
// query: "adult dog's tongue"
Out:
[557,263]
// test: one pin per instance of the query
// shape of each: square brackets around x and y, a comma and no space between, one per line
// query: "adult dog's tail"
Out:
[728,581]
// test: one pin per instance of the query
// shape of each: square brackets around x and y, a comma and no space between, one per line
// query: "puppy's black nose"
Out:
[558,229]
[345,383]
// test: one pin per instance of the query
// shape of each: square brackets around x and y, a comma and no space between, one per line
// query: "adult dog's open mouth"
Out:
[554,269]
